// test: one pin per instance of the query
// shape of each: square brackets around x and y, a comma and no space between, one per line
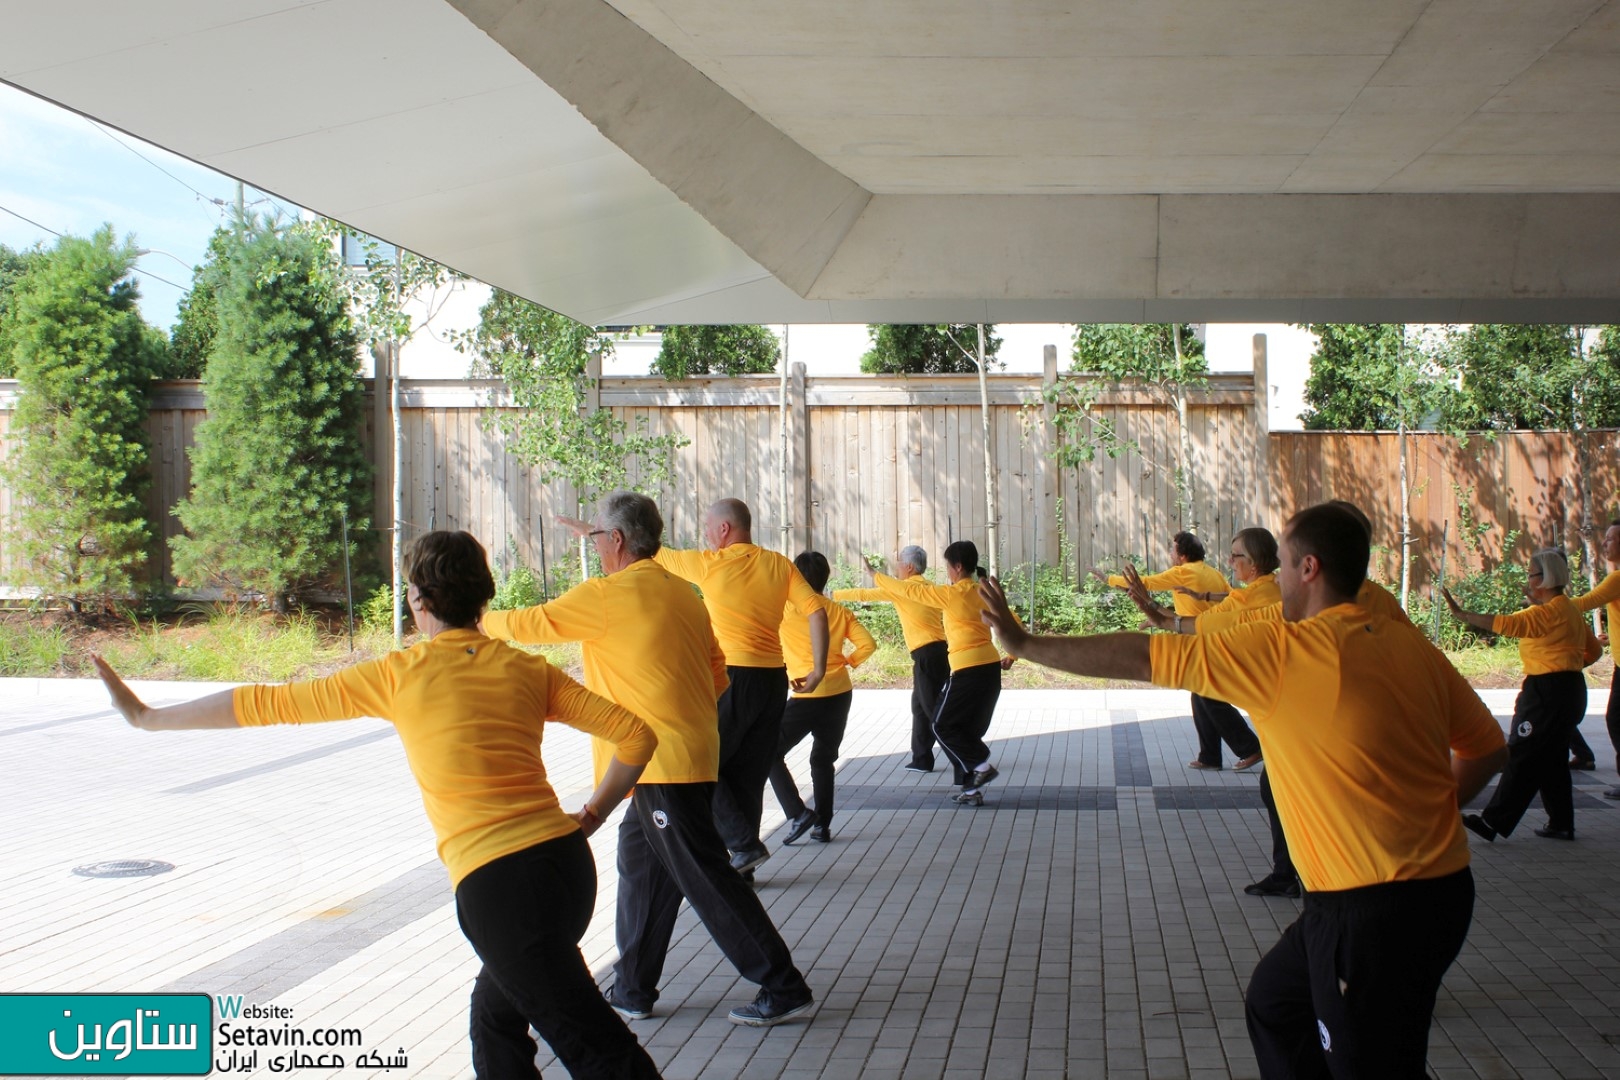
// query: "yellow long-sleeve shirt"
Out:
[1372,596]
[967,639]
[842,627]
[471,714]
[1552,636]
[1359,715]
[646,642]
[919,624]
[1258,593]
[1198,576]
[745,589]
[1605,594]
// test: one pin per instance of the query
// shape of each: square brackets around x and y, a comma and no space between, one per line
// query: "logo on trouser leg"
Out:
[1327,1040]
[660,819]
[1525,728]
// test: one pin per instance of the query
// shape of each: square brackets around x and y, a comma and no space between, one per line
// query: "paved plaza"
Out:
[1088,921]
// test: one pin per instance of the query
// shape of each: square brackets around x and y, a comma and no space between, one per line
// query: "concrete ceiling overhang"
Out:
[856,161]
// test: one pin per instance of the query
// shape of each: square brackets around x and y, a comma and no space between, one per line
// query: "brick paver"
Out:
[1087,921]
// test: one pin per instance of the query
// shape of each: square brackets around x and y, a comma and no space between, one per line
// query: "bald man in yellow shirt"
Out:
[746,589]
[1377,741]
[647,645]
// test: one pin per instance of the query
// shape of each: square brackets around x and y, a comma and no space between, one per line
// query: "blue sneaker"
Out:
[768,1011]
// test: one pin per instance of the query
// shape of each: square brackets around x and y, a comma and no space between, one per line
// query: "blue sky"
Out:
[69,174]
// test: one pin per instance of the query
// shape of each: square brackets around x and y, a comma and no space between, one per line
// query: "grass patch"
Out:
[32,649]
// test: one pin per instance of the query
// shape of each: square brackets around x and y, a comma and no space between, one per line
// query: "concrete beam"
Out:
[776,201]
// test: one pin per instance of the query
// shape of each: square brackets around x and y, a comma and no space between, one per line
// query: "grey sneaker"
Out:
[982,777]
[768,1011]
[1612,793]
[629,1012]
[745,861]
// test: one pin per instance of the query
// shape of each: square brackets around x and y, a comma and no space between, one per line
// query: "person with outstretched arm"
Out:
[471,716]
[822,713]
[1378,741]
[746,589]
[923,628]
[1555,645]
[1253,558]
[646,644]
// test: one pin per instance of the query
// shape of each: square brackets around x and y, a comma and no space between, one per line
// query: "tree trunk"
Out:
[989,463]
[1185,490]
[399,496]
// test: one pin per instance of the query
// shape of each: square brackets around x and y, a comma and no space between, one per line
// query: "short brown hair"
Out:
[451,573]
[1260,546]
[1332,532]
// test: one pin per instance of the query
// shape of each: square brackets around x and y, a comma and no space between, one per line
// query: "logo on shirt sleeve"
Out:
[660,819]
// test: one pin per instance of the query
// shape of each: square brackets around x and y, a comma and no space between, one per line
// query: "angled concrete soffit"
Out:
[1438,257]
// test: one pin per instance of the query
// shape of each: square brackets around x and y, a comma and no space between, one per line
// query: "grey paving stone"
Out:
[1104,934]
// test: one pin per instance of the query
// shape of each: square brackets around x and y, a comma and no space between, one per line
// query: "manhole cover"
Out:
[124,868]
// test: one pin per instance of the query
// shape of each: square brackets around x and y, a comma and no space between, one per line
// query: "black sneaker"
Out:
[914,767]
[768,1011]
[982,777]
[1478,826]
[744,861]
[629,1012]
[1274,885]
[1550,833]
[798,827]
[821,834]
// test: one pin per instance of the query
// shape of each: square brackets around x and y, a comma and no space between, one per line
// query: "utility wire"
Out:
[155,165]
[53,232]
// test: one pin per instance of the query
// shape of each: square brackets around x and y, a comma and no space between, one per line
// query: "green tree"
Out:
[198,320]
[544,359]
[748,349]
[77,469]
[280,454]
[13,265]
[936,349]
[1372,377]
[1532,376]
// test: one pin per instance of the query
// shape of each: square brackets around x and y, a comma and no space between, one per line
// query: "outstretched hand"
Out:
[1451,602]
[1096,572]
[1138,592]
[577,526]
[123,698]
[998,616]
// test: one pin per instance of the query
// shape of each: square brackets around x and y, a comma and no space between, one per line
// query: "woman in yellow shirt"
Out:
[821,713]
[1605,594]
[470,713]
[1554,645]
[969,699]
[1254,563]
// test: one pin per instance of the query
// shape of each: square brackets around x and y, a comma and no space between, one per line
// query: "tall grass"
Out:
[231,645]
[28,649]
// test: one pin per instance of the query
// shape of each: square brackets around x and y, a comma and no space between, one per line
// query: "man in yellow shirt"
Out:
[746,589]
[1377,742]
[647,646]
[924,630]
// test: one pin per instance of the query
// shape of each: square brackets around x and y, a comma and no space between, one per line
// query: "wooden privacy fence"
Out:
[874,463]
[879,462]
[1523,481]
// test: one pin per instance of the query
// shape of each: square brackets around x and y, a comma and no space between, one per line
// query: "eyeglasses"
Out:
[599,532]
